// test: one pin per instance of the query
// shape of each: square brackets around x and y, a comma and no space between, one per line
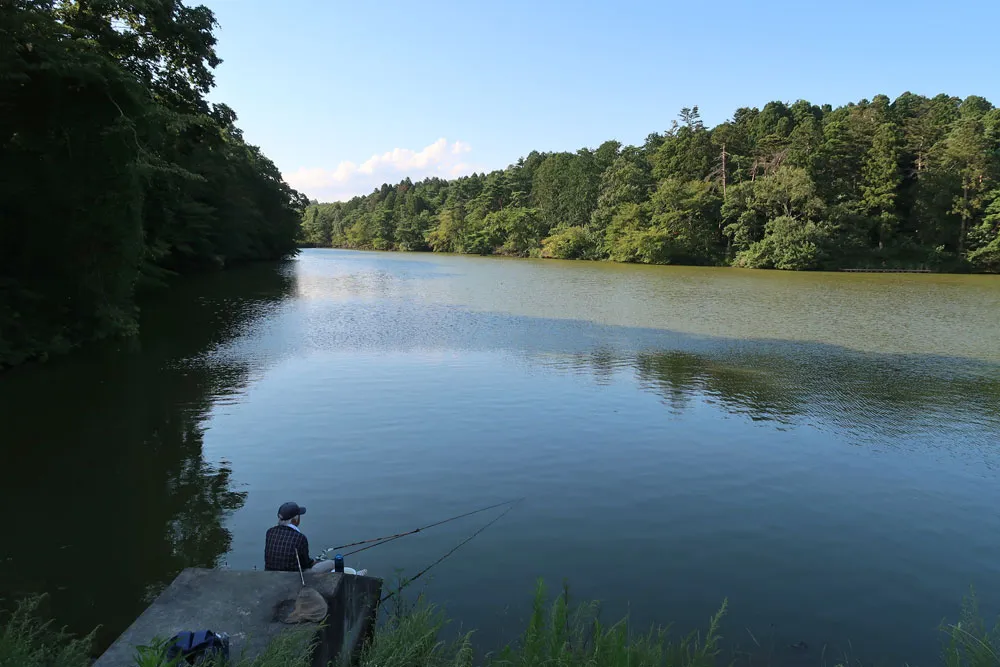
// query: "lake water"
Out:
[820,449]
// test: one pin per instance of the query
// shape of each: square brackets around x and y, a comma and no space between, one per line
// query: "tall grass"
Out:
[970,642]
[412,639]
[27,641]
[556,636]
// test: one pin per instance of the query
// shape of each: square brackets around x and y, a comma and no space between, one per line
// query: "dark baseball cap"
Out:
[290,510]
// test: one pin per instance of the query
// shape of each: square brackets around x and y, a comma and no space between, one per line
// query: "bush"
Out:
[569,243]
[643,246]
[788,244]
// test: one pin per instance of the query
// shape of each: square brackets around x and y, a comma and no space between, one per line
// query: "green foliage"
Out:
[882,177]
[987,257]
[970,642]
[28,641]
[906,183]
[569,243]
[521,229]
[679,225]
[560,637]
[630,238]
[788,243]
[970,154]
[103,117]
[447,236]
[565,188]
[686,151]
[789,195]
[410,639]
[555,636]
[688,213]
[628,180]
[483,236]
[985,240]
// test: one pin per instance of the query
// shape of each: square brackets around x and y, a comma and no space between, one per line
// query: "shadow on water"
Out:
[103,481]
[874,397]
[868,395]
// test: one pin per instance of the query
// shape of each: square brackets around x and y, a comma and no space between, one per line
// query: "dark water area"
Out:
[103,469]
[821,449]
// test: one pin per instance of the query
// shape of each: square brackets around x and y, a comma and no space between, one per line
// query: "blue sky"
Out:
[345,96]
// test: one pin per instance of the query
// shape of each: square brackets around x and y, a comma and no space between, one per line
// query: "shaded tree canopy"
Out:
[910,183]
[115,170]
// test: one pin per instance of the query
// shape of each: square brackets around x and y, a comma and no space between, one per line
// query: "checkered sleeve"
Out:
[306,559]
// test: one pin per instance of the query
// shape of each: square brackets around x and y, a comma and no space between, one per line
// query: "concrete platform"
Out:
[249,606]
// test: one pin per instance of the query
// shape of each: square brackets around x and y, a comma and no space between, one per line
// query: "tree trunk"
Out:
[965,217]
[723,172]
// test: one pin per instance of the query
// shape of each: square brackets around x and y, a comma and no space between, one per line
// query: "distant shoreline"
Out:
[913,270]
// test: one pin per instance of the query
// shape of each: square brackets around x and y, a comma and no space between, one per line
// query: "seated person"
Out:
[286,548]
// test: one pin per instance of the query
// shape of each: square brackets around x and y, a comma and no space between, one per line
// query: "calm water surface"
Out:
[820,449]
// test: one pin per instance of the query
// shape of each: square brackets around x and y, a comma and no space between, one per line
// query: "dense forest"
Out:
[910,183]
[115,171]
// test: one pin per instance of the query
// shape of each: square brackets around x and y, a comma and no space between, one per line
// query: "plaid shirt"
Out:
[280,547]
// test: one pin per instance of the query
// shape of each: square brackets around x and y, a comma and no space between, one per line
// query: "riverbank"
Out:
[557,633]
[865,266]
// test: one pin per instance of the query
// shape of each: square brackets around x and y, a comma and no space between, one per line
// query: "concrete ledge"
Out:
[248,605]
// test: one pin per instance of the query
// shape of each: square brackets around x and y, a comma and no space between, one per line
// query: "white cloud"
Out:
[348,179]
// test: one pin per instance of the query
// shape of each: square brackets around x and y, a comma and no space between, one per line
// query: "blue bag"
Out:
[195,648]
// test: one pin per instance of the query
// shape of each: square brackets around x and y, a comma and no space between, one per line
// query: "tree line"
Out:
[115,170]
[907,183]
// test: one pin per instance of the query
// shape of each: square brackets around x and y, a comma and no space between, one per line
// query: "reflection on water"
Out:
[875,396]
[820,449]
[103,478]
[868,395]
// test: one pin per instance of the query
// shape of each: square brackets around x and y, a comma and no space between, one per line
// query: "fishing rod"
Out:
[376,541]
[512,504]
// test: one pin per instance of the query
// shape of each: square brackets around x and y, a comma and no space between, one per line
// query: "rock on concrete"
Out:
[249,606]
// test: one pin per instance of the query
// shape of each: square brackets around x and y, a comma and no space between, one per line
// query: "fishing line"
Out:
[458,546]
[376,541]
